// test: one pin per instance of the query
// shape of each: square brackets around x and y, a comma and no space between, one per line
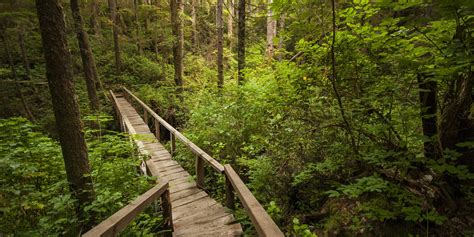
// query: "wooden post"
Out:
[200,172]
[173,143]
[166,207]
[145,116]
[157,130]
[127,98]
[229,194]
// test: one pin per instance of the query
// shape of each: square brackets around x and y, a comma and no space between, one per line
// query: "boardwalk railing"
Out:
[263,223]
[119,221]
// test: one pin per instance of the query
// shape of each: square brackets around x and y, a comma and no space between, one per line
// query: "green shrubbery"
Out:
[35,198]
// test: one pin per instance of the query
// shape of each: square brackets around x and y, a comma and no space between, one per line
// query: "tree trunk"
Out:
[220,45]
[15,78]
[271,30]
[456,123]
[230,24]
[115,29]
[66,109]
[93,18]
[194,23]
[138,27]
[176,8]
[241,42]
[429,119]
[281,27]
[24,56]
[88,63]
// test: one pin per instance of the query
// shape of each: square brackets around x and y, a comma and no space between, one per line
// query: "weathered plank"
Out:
[118,221]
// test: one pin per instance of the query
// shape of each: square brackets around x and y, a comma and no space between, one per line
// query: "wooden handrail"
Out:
[263,223]
[195,149]
[119,221]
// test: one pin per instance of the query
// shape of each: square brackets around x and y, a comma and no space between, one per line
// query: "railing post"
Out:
[229,194]
[157,130]
[145,116]
[173,143]
[166,207]
[200,172]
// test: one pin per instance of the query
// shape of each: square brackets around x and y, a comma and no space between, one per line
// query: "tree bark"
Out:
[429,119]
[115,29]
[93,18]
[220,44]
[88,62]
[66,109]
[24,56]
[230,24]
[281,27]
[176,8]
[138,30]
[241,42]
[194,23]
[271,30]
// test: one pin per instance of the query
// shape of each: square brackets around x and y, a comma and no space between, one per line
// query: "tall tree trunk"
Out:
[115,29]
[456,122]
[15,78]
[194,23]
[230,24]
[429,119]
[93,18]
[241,42]
[88,63]
[220,45]
[281,27]
[138,27]
[24,56]
[271,30]
[66,109]
[176,8]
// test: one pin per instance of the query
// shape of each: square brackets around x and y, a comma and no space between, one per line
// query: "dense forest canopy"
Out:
[342,117]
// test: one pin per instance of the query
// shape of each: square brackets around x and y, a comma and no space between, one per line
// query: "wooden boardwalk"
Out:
[194,213]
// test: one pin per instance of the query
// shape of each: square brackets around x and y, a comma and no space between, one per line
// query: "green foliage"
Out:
[301,230]
[35,195]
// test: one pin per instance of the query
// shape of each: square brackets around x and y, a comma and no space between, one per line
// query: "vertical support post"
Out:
[229,194]
[166,207]
[127,98]
[200,172]
[145,116]
[157,130]
[173,143]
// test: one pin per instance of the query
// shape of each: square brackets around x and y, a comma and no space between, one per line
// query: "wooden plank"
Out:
[184,193]
[199,205]
[216,210]
[118,221]
[172,171]
[190,199]
[206,218]
[263,223]
[180,187]
[195,149]
[167,168]
[201,229]
[175,175]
